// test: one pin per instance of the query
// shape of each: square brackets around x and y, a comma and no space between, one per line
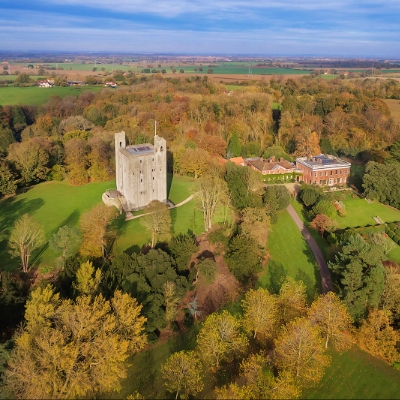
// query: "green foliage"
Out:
[282,197]
[208,269]
[242,257]
[236,177]
[6,137]
[7,182]
[309,195]
[143,276]
[182,248]
[382,182]
[361,274]
[276,151]
[271,203]
[234,146]
[323,207]
[66,241]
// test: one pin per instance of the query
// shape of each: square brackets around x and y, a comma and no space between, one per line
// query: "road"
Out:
[326,281]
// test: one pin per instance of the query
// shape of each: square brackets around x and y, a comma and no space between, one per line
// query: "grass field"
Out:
[239,69]
[357,375]
[361,213]
[55,204]
[290,256]
[76,67]
[36,95]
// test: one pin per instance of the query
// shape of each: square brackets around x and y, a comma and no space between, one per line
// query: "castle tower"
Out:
[141,171]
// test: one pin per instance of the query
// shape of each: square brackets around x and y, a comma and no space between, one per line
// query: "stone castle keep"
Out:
[141,171]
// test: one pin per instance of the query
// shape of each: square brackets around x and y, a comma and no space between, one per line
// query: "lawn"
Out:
[290,256]
[361,213]
[55,204]
[357,375]
[35,95]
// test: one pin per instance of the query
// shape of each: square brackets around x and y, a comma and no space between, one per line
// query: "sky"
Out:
[349,28]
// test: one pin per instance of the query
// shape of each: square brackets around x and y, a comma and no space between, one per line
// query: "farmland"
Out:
[36,95]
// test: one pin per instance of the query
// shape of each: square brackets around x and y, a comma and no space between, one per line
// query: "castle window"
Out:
[152,159]
[140,161]
[120,144]
[153,178]
[161,149]
[141,180]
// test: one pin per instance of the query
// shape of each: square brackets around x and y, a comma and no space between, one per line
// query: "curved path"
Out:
[170,207]
[326,281]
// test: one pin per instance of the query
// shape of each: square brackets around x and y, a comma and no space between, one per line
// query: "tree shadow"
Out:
[206,254]
[276,273]
[313,289]
[71,220]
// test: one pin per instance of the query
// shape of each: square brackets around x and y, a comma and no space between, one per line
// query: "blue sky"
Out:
[287,27]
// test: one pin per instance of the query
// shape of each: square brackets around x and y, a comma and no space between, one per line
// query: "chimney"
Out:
[272,158]
[281,159]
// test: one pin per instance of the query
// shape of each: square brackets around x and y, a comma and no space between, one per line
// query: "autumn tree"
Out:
[157,220]
[71,349]
[209,192]
[95,230]
[299,350]
[257,381]
[333,320]
[377,337]
[256,224]
[65,241]
[8,184]
[260,313]
[171,301]
[183,374]
[26,236]
[323,223]
[194,162]
[31,159]
[220,339]
[292,300]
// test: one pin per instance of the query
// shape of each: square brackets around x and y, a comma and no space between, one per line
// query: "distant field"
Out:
[77,67]
[290,256]
[394,106]
[36,95]
[239,70]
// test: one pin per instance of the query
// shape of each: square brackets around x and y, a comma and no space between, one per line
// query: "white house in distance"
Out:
[323,170]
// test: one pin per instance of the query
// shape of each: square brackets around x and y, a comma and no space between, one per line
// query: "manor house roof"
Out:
[322,161]
[140,149]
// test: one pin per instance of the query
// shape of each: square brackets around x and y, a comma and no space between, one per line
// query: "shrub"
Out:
[396,239]
[342,212]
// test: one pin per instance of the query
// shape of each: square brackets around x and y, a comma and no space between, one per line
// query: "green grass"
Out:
[361,213]
[357,375]
[239,69]
[290,256]
[53,204]
[36,95]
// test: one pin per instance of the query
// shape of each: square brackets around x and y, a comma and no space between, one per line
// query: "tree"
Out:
[208,269]
[260,312]
[323,223]
[26,236]
[194,162]
[182,248]
[282,196]
[255,224]
[220,339]
[292,300]
[377,337]
[333,320]
[170,301]
[95,231]
[390,299]
[242,258]
[310,195]
[210,190]
[65,241]
[75,348]
[300,351]
[31,159]
[183,374]
[87,280]
[7,180]
[257,381]
[234,146]
[157,220]
[271,203]
[194,308]
[361,274]
[325,207]
[382,239]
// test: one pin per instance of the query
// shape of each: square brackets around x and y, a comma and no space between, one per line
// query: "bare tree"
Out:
[26,236]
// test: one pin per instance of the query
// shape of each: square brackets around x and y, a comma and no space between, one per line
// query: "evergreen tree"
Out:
[234,146]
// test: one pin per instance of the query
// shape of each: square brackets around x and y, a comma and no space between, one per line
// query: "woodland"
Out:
[72,336]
